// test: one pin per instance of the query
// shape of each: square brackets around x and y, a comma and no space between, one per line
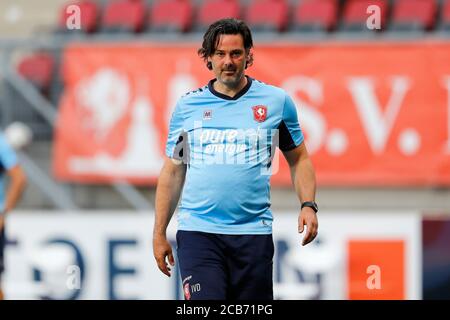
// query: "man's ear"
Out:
[209,65]
[248,59]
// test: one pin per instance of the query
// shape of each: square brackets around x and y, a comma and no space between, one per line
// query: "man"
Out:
[220,143]
[8,167]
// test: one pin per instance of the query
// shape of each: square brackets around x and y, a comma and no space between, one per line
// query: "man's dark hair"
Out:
[225,26]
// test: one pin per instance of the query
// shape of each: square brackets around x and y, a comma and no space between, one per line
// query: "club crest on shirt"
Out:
[260,113]
[187,292]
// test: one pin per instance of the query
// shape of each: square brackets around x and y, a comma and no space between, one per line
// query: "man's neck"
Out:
[230,91]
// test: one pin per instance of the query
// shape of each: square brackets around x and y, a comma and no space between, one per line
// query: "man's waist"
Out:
[201,222]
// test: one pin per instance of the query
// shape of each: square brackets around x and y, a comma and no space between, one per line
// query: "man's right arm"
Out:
[15,190]
[168,190]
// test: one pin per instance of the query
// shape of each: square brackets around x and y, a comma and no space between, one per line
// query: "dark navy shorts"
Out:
[2,248]
[225,267]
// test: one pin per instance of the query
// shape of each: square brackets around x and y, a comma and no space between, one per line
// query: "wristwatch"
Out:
[311,204]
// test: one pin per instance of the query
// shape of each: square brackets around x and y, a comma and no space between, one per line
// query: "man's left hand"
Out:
[309,218]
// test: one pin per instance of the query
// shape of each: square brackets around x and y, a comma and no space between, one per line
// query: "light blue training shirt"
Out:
[228,144]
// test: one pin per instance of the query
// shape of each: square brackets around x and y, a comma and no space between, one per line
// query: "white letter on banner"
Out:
[377,124]
[312,121]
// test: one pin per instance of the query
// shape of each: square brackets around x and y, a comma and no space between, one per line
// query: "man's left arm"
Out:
[304,180]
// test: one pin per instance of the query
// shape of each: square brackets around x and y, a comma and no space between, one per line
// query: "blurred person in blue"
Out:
[220,148]
[12,184]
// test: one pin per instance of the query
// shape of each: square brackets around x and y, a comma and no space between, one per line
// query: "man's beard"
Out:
[233,80]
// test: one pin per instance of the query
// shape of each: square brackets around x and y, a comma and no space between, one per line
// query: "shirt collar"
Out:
[224,96]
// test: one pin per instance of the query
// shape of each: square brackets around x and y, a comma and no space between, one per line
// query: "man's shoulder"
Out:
[269,88]
[2,137]
[8,156]
[194,93]
[4,146]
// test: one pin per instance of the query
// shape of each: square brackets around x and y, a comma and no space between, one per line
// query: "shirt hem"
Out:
[222,231]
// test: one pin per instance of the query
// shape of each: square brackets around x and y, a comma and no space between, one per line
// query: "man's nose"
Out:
[227,60]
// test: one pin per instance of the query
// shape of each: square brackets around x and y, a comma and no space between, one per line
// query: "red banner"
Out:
[373,114]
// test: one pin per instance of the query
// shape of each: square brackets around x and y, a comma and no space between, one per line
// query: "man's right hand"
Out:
[161,250]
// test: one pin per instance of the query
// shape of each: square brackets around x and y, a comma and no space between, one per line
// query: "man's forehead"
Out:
[229,42]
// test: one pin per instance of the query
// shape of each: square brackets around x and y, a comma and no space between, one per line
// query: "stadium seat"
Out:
[267,15]
[38,68]
[414,15]
[171,16]
[355,14]
[124,16]
[89,12]
[445,17]
[312,15]
[212,10]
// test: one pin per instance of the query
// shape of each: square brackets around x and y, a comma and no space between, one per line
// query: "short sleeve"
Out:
[290,133]
[8,158]
[174,145]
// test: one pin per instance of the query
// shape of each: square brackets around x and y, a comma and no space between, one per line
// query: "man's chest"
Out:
[254,114]
[233,129]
